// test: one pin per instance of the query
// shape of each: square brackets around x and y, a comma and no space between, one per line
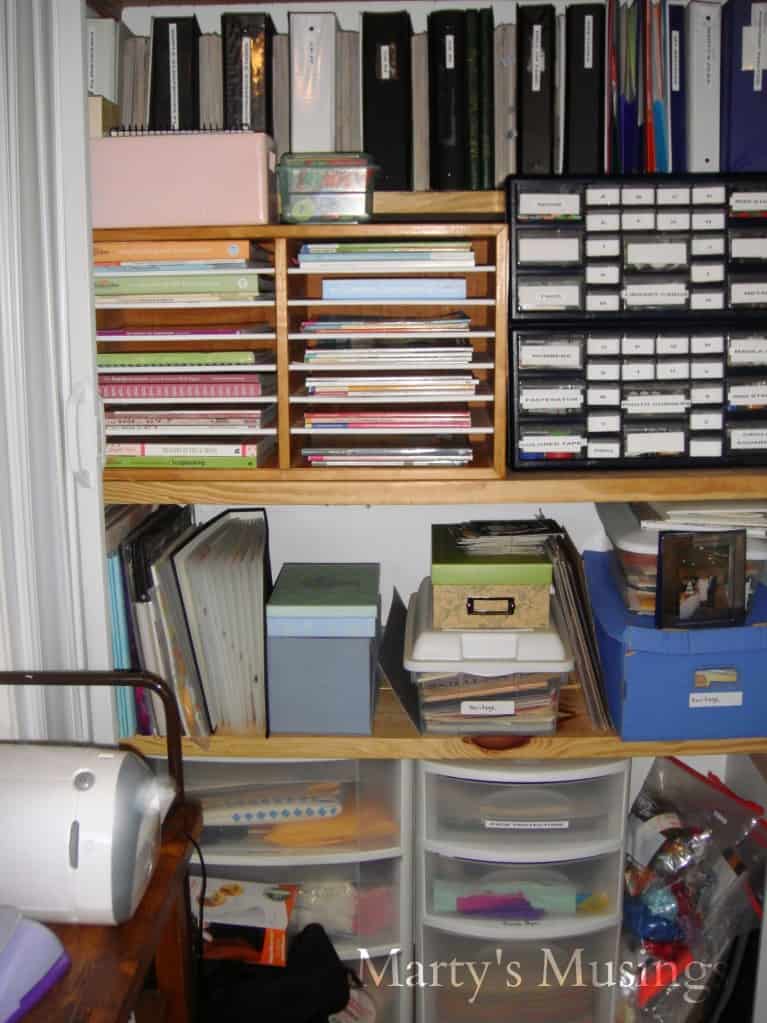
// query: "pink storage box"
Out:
[209,178]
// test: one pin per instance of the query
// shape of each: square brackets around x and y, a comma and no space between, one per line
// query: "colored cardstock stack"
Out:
[322,627]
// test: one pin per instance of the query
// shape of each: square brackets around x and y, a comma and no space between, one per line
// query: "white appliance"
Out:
[80,831]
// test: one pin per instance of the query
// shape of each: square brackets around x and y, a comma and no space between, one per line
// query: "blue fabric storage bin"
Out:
[675,683]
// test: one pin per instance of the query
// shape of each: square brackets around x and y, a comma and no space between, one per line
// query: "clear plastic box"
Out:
[636,557]
[508,683]
[325,187]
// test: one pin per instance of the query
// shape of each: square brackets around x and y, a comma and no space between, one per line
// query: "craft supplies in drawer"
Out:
[489,682]
[284,809]
[356,903]
[521,820]
[569,894]
[517,980]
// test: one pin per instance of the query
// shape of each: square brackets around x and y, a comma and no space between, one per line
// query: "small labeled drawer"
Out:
[524,981]
[565,894]
[513,821]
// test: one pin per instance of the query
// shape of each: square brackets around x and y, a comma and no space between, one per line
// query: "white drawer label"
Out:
[706,421]
[747,438]
[655,294]
[705,448]
[753,292]
[644,221]
[507,825]
[698,700]
[707,273]
[566,356]
[603,395]
[713,221]
[747,350]
[707,300]
[604,449]
[676,220]
[673,345]
[603,371]
[603,423]
[603,346]
[751,247]
[602,301]
[602,221]
[535,296]
[603,196]
[748,202]
[703,245]
[549,250]
[706,195]
[638,370]
[638,346]
[707,395]
[608,274]
[673,196]
[638,196]
[596,247]
[562,204]
[488,708]
[707,345]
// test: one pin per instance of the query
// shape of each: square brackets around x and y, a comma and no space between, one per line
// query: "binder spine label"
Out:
[175,122]
[450,52]
[676,83]
[537,58]
[386,62]
[588,42]
[245,78]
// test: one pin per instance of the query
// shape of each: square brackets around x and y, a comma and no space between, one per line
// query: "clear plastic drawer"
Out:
[560,897]
[519,981]
[358,904]
[297,809]
[509,820]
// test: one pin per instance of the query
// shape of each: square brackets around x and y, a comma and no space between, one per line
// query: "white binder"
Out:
[312,82]
[704,62]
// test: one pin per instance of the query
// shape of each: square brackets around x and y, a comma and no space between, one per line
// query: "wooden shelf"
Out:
[395,737]
[312,486]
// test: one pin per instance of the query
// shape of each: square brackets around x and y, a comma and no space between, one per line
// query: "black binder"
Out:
[247,69]
[536,35]
[447,101]
[174,85]
[387,97]
[584,93]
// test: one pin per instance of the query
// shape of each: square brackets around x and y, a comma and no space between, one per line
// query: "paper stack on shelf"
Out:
[186,407]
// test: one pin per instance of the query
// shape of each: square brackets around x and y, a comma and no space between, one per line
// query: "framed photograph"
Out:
[701,579]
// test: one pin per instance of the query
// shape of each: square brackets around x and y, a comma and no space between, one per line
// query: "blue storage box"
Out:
[322,624]
[676,683]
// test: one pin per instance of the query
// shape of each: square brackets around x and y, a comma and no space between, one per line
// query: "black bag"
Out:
[313,984]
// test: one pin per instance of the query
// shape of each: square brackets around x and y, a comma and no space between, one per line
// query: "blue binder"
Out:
[744,94]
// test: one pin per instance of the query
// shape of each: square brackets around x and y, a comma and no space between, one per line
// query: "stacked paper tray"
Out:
[484,682]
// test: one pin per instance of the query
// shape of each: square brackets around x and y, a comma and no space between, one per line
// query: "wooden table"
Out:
[109,964]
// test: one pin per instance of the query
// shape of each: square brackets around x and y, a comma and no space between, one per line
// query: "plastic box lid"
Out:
[481,651]
[625,533]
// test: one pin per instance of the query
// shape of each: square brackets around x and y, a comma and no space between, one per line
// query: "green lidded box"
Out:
[487,591]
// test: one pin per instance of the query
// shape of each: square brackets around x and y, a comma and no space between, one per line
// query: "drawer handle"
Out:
[476,605]
[497,742]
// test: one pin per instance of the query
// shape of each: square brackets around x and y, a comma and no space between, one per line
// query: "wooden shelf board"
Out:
[463,486]
[340,232]
[395,737]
